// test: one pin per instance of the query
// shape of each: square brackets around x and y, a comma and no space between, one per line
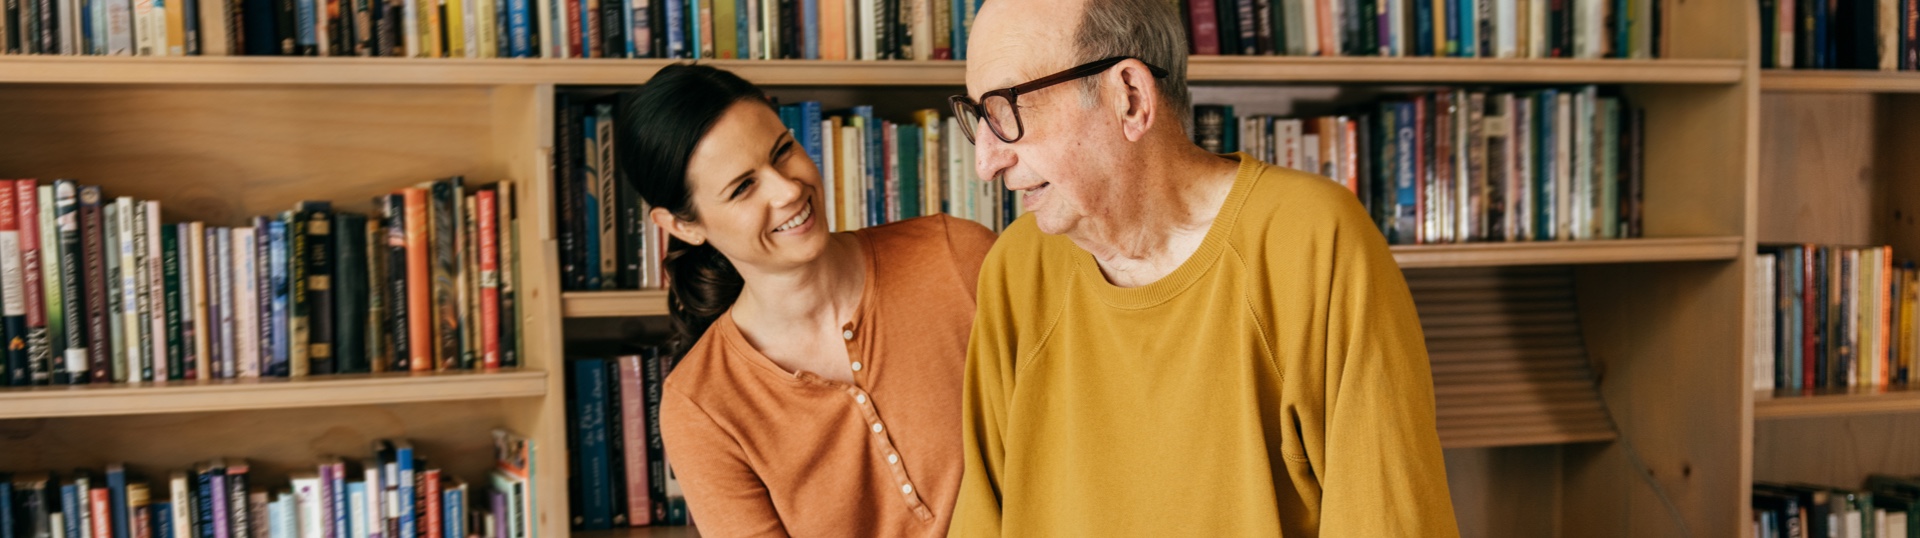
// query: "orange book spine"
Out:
[833,29]
[419,307]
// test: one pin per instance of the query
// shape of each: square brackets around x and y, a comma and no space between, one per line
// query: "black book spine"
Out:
[92,245]
[613,28]
[203,509]
[631,234]
[509,274]
[1245,26]
[395,208]
[320,290]
[373,248]
[656,448]
[170,270]
[656,28]
[572,215]
[1821,334]
[789,41]
[30,25]
[616,445]
[49,26]
[13,27]
[263,289]
[350,304]
[73,313]
[284,28]
[445,264]
[240,522]
[1226,15]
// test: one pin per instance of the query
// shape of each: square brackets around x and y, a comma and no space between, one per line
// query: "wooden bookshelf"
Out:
[613,304]
[1768,405]
[1202,69]
[1838,81]
[267,393]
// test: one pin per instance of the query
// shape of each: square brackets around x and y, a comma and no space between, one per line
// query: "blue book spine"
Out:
[403,456]
[117,502]
[203,510]
[305,12]
[876,180]
[810,30]
[1469,20]
[277,363]
[1230,136]
[276,512]
[218,483]
[1544,210]
[450,513]
[1423,29]
[629,49]
[676,28]
[70,505]
[190,23]
[908,142]
[590,429]
[1406,184]
[959,29]
[743,41]
[1449,28]
[810,127]
[342,509]
[591,240]
[359,490]
[258,34]
[6,506]
[161,513]
[694,37]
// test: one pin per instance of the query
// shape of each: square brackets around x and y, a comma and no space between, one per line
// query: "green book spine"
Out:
[350,303]
[170,272]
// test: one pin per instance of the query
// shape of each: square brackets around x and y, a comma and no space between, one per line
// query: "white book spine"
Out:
[130,320]
[410,27]
[1762,299]
[829,189]
[156,290]
[123,370]
[246,311]
[183,510]
[196,244]
[470,20]
[1506,25]
[222,272]
[150,28]
[1309,26]
[307,510]
[1563,167]
[1537,23]
[869,43]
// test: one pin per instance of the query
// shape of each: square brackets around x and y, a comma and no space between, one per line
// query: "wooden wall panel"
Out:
[1506,492]
[1816,169]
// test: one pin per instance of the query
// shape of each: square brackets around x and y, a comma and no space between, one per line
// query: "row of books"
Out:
[99,290]
[1456,28]
[1841,34]
[759,29]
[1887,506]
[873,171]
[1465,165]
[1833,317]
[620,472]
[394,493]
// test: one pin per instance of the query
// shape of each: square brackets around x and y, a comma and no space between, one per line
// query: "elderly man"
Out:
[1172,342]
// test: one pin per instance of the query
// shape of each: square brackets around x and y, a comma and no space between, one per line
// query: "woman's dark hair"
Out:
[657,128]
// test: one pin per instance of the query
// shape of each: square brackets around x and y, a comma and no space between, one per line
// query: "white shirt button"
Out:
[893,458]
[856,366]
[876,428]
[847,334]
[860,398]
[907,489]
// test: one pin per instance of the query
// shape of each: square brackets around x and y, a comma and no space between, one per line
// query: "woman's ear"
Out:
[687,232]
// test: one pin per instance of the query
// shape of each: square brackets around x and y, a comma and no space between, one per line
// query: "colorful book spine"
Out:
[298,364]
[116,293]
[154,296]
[220,301]
[446,273]
[469,284]
[263,324]
[394,208]
[279,362]
[70,370]
[195,253]
[27,211]
[508,209]
[246,306]
[418,299]
[13,298]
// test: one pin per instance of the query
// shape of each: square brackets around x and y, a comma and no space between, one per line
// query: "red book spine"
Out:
[633,427]
[1811,357]
[1883,286]
[1206,28]
[486,218]
[142,524]
[1350,155]
[1420,170]
[27,198]
[573,36]
[434,527]
[100,506]
[419,307]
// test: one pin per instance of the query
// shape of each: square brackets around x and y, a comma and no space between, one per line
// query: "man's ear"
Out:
[687,232]
[1138,95]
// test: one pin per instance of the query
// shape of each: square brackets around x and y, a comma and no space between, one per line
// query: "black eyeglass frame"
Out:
[963,104]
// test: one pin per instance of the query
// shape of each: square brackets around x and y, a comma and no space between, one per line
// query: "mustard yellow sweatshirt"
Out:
[1275,384]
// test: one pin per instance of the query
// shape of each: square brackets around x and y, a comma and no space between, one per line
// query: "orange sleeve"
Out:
[726,496]
[969,242]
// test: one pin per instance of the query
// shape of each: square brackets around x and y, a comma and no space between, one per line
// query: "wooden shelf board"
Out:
[613,304]
[1839,81]
[1526,440]
[607,304]
[1226,69]
[1567,252]
[267,393]
[1789,404]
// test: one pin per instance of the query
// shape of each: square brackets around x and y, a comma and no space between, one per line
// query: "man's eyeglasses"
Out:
[999,107]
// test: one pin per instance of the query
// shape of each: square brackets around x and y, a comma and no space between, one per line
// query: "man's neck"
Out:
[1179,197]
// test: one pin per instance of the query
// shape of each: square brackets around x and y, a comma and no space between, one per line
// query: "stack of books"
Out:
[1833,317]
[1466,165]
[1847,34]
[620,471]
[99,290]
[392,493]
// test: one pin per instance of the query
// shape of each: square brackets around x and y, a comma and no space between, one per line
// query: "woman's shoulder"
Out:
[921,238]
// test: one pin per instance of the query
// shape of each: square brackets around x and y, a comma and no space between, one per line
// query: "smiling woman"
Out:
[797,342]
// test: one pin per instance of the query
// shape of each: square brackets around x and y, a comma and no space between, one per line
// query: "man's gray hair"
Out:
[1146,29]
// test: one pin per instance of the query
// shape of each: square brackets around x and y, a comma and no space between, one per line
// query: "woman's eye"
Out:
[742,189]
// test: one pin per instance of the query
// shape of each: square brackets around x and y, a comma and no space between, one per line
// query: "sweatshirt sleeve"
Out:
[726,496]
[1381,468]
[983,405]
